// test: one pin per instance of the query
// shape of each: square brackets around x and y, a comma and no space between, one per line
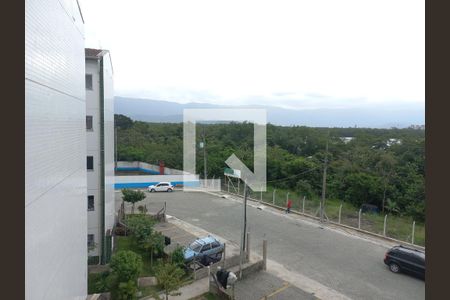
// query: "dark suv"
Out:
[408,260]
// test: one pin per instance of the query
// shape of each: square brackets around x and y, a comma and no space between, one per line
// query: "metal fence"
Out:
[385,225]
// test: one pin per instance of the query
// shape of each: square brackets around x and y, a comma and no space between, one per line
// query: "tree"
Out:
[154,243]
[385,167]
[169,278]
[122,122]
[141,227]
[132,196]
[126,267]
[177,256]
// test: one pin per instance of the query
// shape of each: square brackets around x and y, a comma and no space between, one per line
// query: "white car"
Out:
[161,187]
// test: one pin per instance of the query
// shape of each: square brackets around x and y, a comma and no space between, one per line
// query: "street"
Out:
[351,266]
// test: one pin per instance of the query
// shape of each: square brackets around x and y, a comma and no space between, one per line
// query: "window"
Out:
[195,246]
[215,244]
[207,247]
[90,202]
[90,163]
[89,125]
[90,240]
[89,82]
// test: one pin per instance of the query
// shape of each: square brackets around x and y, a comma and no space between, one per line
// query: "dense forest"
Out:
[384,167]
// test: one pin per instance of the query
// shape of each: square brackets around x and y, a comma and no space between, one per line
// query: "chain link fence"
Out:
[392,226]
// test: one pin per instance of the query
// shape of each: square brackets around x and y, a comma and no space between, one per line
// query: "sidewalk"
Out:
[263,284]
[193,290]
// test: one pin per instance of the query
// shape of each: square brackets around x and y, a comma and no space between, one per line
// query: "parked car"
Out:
[204,250]
[161,187]
[404,259]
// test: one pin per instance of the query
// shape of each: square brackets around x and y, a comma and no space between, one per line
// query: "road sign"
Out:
[232,172]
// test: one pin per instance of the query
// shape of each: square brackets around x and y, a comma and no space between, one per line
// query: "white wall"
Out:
[55,152]
[146,166]
[93,109]
[142,181]
[93,149]
[109,141]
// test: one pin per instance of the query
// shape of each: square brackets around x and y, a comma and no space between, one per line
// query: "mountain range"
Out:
[373,117]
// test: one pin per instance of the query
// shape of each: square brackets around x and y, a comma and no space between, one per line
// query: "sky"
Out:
[293,54]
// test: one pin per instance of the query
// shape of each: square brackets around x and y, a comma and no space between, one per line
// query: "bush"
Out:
[93,260]
[169,278]
[126,267]
[178,257]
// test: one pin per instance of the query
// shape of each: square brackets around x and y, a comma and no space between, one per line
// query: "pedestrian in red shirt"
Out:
[289,205]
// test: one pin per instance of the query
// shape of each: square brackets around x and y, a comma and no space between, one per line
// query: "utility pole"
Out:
[324,184]
[204,154]
[244,230]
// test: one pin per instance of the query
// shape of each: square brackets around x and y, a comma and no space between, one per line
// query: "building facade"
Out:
[55,151]
[100,153]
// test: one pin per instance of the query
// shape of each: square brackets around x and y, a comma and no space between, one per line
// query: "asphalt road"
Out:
[352,266]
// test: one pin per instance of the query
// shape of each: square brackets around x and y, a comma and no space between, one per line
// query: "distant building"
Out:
[346,139]
[55,152]
[393,141]
[100,152]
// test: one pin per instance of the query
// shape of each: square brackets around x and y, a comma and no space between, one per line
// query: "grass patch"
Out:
[206,296]
[128,243]
[97,282]
[397,227]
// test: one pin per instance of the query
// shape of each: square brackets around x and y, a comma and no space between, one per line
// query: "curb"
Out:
[382,237]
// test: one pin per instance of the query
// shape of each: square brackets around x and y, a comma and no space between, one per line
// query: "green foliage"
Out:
[126,267]
[142,209]
[169,277]
[126,290]
[141,226]
[178,257]
[132,196]
[98,282]
[148,240]
[365,170]
[122,122]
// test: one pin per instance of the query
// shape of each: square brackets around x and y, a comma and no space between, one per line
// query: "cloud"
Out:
[296,54]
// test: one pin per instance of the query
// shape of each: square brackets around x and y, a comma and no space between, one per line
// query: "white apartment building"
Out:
[100,153]
[55,151]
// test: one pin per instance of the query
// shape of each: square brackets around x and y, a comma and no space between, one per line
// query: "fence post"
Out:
[228,185]
[359,219]
[239,190]
[413,231]
[248,246]
[264,255]
[287,197]
[303,204]
[209,278]
[273,196]
[340,210]
[260,198]
[384,225]
[224,255]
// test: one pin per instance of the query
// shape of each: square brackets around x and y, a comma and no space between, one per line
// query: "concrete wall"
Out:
[147,168]
[55,152]
[143,181]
